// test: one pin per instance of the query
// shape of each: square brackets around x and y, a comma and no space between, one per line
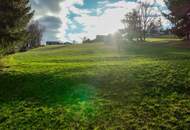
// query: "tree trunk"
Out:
[188,36]
[144,35]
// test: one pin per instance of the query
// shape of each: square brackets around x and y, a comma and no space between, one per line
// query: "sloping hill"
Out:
[97,86]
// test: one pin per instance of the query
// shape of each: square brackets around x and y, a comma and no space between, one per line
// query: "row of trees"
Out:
[15,31]
[143,21]
[138,24]
[146,21]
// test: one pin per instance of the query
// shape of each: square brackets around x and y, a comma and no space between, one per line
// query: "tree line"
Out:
[143,20]
[17,32]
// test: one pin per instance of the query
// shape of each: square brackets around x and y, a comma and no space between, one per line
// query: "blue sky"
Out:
[68,20]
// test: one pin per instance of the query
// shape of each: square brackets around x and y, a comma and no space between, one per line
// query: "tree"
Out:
[179,16]
[147,16]
[14,17]
[86,40]
[139,22]
[35,33]
[132,26]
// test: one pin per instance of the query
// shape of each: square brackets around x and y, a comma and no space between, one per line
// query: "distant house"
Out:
[103,38]
[53,43]
[100,37]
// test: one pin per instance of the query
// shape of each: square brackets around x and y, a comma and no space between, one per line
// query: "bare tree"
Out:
[35,31]
[132,26]
[138,23]
[84,39]
[147,15]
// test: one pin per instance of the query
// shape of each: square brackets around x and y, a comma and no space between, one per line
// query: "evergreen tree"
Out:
[14,17]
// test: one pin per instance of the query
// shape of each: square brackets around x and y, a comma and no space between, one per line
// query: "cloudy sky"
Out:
[67,20]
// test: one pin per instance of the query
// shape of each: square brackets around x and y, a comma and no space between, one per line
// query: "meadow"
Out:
[97,86]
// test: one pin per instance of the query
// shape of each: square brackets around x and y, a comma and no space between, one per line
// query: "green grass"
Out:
[97,86]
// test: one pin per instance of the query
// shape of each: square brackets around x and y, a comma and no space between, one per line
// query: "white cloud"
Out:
[103,2]
[108,22]
[122,4]
[160,2]
[59,9]
[66,7]
[108,19]
[73,26]
[77,37]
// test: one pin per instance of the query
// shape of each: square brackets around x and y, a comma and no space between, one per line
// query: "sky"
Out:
[68,20]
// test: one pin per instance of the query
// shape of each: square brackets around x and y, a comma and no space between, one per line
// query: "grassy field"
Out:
[97,86]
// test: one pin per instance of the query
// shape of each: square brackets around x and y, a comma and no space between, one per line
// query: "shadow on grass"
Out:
[43,88]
